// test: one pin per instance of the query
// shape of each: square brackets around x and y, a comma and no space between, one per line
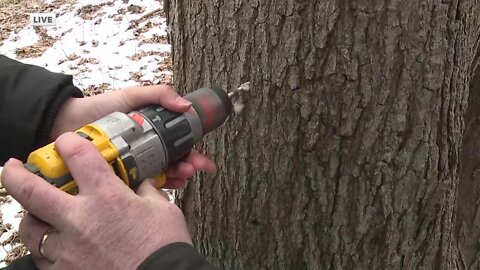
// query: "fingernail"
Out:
[183,102]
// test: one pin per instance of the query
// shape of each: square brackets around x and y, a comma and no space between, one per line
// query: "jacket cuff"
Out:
[43,135]
[22,263]
[176,256]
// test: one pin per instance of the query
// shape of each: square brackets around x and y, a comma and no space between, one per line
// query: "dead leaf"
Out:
[44,43]
[135,9]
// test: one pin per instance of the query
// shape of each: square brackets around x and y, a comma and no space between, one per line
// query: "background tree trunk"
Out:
[347,154]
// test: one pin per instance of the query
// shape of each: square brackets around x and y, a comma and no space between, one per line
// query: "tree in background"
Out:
[350,152]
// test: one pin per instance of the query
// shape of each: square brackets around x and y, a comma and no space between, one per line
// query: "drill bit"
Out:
[242,87]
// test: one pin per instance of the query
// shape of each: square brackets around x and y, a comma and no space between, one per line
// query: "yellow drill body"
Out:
[55,171]
[141,144]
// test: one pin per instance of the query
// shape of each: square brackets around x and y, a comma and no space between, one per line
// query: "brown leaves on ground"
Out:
[165,65]
[136,76]
[17,252]
[166,79]
[140,30]
[96,89]
[89,60]
[44,43]
[89,11]
[18,248]
[70,57]
[135,23]
[14,15]
[157,39]
[67,6]
[140,55]
[120,11]
[162,79]
[134,9]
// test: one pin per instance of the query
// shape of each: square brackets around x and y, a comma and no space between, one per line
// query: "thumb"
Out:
[148,191]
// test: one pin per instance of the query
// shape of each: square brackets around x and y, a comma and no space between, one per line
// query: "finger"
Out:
[1,169]
[35,194]
[148,191]
[180,170]
[162,95]
[201,162]
[85,163]
[31,231]
[124,100]
[176,183]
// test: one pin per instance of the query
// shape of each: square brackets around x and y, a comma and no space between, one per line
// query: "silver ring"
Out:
[42,242]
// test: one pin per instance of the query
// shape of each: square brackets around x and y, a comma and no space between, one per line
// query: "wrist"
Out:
[50,115]
[66,118]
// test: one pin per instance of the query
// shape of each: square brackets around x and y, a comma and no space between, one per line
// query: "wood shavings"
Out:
[238,107]
[238,103]
[244,87]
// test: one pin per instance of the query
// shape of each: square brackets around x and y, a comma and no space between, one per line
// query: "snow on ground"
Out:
[101,44]
[104,46]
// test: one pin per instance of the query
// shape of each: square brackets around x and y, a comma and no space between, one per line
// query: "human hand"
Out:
[77,112]
[105,226]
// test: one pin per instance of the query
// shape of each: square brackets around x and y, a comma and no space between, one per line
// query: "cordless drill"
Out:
[142,143]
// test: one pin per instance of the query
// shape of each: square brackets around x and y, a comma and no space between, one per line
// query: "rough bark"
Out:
[468,200]
[347,154]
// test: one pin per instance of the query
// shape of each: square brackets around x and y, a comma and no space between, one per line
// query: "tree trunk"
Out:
[347,154]
[468,215]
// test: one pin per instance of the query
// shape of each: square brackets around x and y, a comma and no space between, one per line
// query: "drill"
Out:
[142,143]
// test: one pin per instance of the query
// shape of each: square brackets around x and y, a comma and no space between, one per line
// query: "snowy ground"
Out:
[104,46]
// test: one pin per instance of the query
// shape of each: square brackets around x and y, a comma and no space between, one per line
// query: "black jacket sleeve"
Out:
[176,256]
[30,97]
[22,263]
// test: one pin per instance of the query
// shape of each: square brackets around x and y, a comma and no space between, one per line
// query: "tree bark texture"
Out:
[347,154]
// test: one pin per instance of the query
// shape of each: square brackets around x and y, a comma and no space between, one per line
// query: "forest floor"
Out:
[104,47]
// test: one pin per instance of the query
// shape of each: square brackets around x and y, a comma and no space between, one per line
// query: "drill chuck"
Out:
[143,143]
[212,105]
